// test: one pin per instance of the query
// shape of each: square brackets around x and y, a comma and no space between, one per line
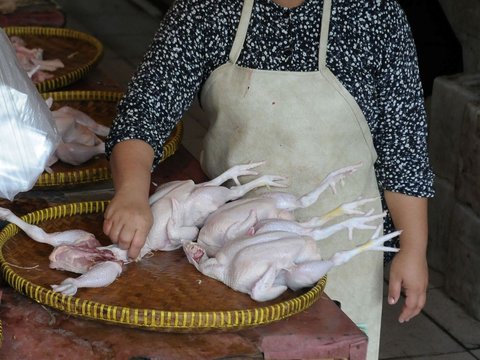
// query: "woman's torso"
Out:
[365,38]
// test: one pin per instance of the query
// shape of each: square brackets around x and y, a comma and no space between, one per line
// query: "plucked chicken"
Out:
[80,139]
[265,265]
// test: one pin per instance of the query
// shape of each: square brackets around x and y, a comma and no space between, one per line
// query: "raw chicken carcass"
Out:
[266,265]
[32,61]
[237,217]
[76,251]
[180,208]
[67,117]
[79,133]
[76,154]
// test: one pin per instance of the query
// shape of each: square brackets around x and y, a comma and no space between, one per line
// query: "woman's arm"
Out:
[128,217]
[409,269]
[403,168]
[179,59]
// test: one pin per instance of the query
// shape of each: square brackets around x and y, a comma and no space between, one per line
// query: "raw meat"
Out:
[80,139]
[32,61]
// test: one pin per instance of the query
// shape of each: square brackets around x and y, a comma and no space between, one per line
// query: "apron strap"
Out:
[241,31]
[322,52]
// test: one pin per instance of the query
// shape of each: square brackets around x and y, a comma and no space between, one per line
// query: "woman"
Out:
[308,85]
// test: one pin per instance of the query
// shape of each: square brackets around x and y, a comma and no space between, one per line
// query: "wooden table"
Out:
[32,331]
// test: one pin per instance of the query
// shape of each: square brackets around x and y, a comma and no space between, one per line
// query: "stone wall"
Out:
[464,17]
[454,144]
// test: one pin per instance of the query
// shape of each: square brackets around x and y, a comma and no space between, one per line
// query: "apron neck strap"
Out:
[241,34]
[241,31]
[322,52]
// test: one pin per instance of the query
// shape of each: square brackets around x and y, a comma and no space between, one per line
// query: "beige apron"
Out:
[305,124]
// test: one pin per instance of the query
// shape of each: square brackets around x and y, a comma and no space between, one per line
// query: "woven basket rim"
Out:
[154,319]
[95,174]
[74,75]
[80,95]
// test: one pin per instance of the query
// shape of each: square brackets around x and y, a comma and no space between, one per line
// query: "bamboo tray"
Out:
[100,106]
[79,52]
[163,292]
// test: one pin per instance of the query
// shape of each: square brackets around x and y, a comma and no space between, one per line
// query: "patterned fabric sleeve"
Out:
[166,82]
[402,164]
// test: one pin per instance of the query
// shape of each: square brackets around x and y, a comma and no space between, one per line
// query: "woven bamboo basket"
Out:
[100,106]
[162,292]
[78,51]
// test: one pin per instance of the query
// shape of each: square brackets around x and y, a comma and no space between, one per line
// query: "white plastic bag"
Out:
[28,136]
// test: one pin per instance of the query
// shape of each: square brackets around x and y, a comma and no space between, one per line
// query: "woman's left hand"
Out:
[409,269]
[408,272]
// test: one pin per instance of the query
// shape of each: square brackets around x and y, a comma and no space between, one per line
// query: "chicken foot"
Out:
[231,174]
[308,273]
[318,232]
[306,227]
[329,182]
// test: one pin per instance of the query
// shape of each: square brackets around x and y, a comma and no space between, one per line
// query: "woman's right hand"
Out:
[127,222]
[128,218]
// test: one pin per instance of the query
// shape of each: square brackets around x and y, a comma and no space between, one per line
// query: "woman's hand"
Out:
[128,221]
[128,218]
[409,269]
[409,272]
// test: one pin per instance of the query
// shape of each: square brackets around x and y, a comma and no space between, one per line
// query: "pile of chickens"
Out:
[253,245]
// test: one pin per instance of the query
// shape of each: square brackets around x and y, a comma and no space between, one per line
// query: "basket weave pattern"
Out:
[158,317]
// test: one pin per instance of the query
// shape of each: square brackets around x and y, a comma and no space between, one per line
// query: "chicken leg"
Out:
[69,237]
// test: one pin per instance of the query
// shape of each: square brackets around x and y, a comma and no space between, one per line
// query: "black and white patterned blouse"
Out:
[370,50]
